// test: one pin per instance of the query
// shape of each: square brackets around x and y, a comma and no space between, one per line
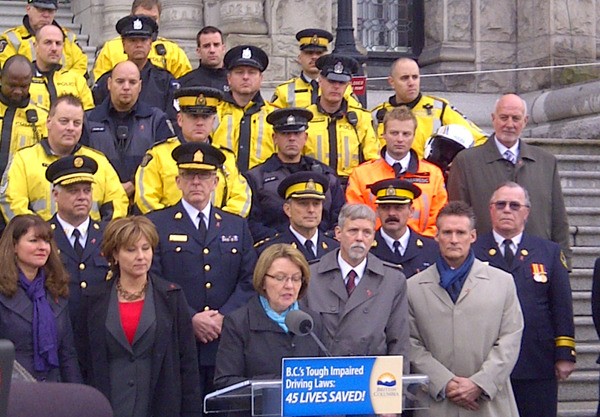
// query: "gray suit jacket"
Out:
[476,172]
[373,320]
[478,337]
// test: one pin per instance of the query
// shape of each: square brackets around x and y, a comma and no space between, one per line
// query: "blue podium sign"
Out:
[342,385]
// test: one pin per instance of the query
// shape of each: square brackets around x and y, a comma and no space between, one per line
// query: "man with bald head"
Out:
[123,126]
[50,79]
[27,120]
[475,173]
[431,112]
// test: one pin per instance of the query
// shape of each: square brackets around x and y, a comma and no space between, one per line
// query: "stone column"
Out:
[180,21]
[243,17]
[113,11]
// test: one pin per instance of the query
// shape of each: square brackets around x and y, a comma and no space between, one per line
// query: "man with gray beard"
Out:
[360,298]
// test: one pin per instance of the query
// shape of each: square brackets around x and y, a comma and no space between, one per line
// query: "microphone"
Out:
[31,116]
[301,323]
[122,133]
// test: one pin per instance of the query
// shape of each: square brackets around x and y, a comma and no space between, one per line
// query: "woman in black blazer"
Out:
[137,343]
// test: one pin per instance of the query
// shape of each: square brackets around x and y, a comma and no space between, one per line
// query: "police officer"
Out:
[267,216]
[431,112]
[242,125]
[20,39]
[205,250]
[156,176]
[24,188]
[303,194]
[22,122]
[340,135]
[539,269]
[164,53]
[77,236]
[158,84]
[395,241]
[302,91]
[124,126]
[50,79]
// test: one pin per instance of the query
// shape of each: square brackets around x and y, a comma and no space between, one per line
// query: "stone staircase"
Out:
[14,10]
[579,166]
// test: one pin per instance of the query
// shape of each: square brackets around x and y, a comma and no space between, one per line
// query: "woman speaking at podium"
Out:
[255,337]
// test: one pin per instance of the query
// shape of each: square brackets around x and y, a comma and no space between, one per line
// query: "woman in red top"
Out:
[137,343]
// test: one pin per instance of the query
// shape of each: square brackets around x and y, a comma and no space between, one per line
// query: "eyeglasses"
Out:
[296,279]
[514,205]
[202,175]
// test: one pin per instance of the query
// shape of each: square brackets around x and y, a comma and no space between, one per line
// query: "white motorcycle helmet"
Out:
[442,147]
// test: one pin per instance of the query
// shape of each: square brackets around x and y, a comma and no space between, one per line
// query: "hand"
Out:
[207,325]
[463,393]
[129,188]
[563,369]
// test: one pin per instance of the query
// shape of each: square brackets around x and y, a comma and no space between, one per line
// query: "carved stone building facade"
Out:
[445,35]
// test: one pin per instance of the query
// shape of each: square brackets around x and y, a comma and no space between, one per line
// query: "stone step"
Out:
[7,22]
[581,197]
[577,408]
[585,256]
[580,179]
[585,332]
[583,216]
[558,146]
[587,353]
[585,235]
[582,303]
[581,279]
[581,386]
[578,162]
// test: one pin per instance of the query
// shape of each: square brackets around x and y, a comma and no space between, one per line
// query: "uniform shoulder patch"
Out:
[146,160]
[563,259]
[3,44]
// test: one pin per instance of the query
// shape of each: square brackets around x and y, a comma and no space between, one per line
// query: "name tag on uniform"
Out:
[98,129]
[178,238]
[230,238]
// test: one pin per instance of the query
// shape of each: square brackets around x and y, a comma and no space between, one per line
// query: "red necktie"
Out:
[351,284]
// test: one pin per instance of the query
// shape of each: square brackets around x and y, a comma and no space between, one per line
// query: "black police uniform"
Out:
[205,77]
[542,281]
[325,244]
[421,252]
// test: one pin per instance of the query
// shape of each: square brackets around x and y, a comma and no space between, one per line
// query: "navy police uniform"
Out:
[325,244]
[542,281]
[215,272]
[205,77]
[89,268]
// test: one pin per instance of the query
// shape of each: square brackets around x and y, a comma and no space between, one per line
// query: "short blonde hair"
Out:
[125,232]
[400,113]
[266,259]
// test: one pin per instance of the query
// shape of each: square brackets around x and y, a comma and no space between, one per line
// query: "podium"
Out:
[263,397]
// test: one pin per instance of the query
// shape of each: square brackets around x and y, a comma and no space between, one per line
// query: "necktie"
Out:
[397,248]
[77,245]
[310,249]
[510,157]
[508,253]
[397,169]
[351,283]
[201,227]
[315,91]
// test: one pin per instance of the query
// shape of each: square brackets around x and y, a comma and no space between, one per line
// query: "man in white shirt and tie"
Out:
[395,241]
[475,173]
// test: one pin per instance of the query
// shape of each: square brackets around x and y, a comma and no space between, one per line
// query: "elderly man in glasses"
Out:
[476,172]
[540,272]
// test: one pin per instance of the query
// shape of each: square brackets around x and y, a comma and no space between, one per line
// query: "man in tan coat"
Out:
[465,325]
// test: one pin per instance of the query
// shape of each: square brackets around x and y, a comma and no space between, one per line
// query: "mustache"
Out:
[392,219]
[359,245]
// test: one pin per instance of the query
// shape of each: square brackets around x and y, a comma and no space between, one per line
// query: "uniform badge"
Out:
[310,185]
[3,44]
[198,156]
[524,252]
[201,100]
[419,243]
[390,191]
[246,53]
[78,162]
[290,120]
[492,252]
[178,216]
[338,68]
[178,238]
[324,245]
[539,273]
[146,160]
[137,24]
[53,226]
[230,238]
[314,40]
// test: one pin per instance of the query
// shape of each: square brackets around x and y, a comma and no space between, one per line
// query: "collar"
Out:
[257,100]
[40,73]
[390,241]
[68,227]
[193,212]
[515,240]
[338,114]
[410,105]
[306,79]
[31,31]
[21,104]
[345,267]
[302,239]
[405,162]
[46,146]
[501,148]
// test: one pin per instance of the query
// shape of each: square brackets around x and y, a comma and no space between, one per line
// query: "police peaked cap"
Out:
[291,119]
[136,26]
[199,156]
[314,39]
[198,100]
[337,67]
[394,191]
[44,4]
[304,184]
[72,169]
[249,55]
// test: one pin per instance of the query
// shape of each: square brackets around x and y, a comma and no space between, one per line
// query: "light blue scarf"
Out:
[275,316]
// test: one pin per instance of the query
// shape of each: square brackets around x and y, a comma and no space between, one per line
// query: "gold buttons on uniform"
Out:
[207,268]
[208,285]
[83,284]
[234,250]
[178,249]
[205,251]
[206,308]
[82,266]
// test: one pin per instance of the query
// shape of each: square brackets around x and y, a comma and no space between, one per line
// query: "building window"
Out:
[389,25]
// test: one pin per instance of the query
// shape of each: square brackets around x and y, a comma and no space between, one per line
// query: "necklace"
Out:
[131,296]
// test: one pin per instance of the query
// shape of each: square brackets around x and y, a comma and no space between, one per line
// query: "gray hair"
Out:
[356,212]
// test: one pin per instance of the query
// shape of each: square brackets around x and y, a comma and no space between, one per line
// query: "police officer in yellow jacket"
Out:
[431,112]
[164,54]
[156,186]
[20,39]
[50,80]
[242,114]
[340,134]
[24,188]
[303,90]
[22,123]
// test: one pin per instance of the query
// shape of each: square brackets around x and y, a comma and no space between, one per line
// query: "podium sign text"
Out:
[342,385]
